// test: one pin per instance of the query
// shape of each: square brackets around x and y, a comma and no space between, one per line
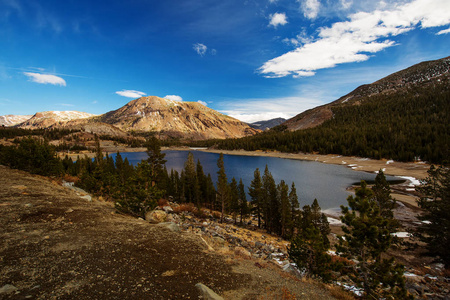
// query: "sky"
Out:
[250,59]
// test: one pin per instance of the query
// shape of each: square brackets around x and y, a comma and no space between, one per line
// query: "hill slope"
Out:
[187,120]
[423,75]
[48,119]
[11,120]
[405,117]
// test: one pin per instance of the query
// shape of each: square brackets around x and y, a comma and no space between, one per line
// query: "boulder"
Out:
[171,226]
[167,209]
[207,293]
[156,216]
[242,252]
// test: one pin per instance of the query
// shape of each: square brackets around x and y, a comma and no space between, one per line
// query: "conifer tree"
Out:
[256,193]
[222,186]
[367,236]
[295,208]
[271,207]
[243,205]
[435,201]
[233,204]
[285,209]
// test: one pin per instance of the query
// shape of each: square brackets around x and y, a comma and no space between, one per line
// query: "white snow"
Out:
[412,181]
[334,221]
[401,234]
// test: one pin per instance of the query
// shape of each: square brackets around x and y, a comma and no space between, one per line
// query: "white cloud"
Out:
[253,110]
[354,40]
[200,49]
[66,104]
[278,19]
[445,31]
[131,93]
[273,1]
[202,102]
[310,8]
[45,78]
[173,97]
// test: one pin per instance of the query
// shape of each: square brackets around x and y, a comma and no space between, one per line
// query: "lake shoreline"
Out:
[412,170]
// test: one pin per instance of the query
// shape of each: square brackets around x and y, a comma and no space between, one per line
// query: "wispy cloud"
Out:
[45,78]
[445,31]
[66,104]
[253,110]
[200,49]
[202,102]
[173,97]
[310,8]
[278,19]
[130,93]
[354,40]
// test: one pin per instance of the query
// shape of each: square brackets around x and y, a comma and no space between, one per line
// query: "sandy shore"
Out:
[389,167]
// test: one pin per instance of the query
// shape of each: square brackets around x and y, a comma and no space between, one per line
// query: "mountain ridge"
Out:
[421,74]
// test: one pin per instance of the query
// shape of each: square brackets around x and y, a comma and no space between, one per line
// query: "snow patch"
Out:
[401,234]
[334,221]
[412,181]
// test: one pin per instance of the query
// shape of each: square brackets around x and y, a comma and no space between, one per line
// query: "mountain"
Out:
[11,120]
[174,119]
[264,125]
[404,116]
[49,119]
[420,75]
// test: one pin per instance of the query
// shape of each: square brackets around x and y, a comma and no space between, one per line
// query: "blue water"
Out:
[325,182]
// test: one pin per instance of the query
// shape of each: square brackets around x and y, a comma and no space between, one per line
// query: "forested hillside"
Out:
[408,125]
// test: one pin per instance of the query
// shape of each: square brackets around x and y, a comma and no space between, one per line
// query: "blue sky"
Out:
[251,59]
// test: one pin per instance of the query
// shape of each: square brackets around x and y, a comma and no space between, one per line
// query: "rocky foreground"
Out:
[55,243]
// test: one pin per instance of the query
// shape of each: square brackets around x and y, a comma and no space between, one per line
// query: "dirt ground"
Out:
[55,244]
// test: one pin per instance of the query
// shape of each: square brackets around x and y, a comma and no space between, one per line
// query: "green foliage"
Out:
[256,194]
[309,252]
[367,236]
[435,202]
[402,126]
[222,185]
[310,245]
[33,155]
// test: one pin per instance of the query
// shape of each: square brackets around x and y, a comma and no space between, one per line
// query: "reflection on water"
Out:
[325,182]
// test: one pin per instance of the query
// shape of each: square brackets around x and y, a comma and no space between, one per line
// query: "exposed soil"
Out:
[55,244]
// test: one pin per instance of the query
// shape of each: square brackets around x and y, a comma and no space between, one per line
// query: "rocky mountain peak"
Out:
[177,119]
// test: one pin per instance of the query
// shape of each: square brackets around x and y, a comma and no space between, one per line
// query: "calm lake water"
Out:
[325,182]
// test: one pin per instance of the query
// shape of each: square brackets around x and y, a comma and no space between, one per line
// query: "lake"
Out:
[325,182]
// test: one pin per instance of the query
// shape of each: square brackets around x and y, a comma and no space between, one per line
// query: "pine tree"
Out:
[233,204]
[435,228]
[243,205]
[382,193]
[222,186]
[271,212]
[285,209]
[295,208]
[367,236]
[256,193]
[191,186]
[309,253]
